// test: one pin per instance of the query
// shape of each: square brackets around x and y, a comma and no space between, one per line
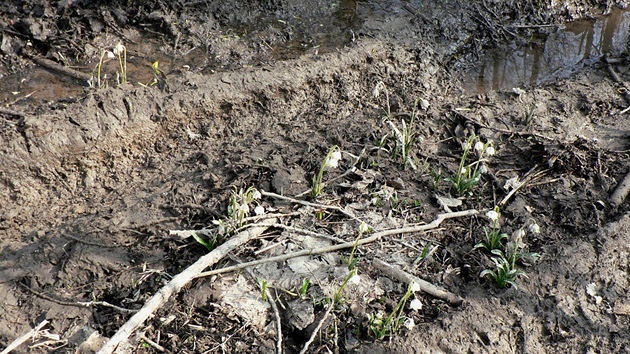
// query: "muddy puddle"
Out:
[564,51]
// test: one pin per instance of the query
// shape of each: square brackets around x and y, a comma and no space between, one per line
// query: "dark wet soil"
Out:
[223,95]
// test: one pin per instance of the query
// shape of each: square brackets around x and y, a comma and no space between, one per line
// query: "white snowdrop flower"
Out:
[415,305]
[483,169]
[111,55]
[462,171]
[332,161]
[119,49]
[492,215]
[479,146]
[415,287]
[490,151]
[259,210]
[364,228]
[256,195]
[409,324]
[520,234]
[518,91]
[244,208]
[355,279]
[534,228]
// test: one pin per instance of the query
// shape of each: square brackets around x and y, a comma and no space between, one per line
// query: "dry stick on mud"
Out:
[425,286]
[621,192]
[303,202]
[177,283]
[331,306]
[375,237]
[271,301]
[16,343]
[51,65]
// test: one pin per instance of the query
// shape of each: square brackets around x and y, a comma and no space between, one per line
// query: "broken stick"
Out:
[177,283]
[16,343]
[621,192]
[375,237]
[425,286]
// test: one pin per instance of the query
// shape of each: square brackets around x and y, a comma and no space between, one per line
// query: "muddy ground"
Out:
[254,94]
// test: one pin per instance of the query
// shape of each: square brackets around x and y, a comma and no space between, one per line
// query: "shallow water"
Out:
[560,54]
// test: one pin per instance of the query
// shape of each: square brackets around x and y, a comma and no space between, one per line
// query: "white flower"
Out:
[111,55]
[492,215]
[355,279]
[479,146]
[364,228]
[409,324]
[119,49]
[256,195]
[490,151]
[462,171]
[519,91]
[332,160]
[259,210]
[415,305]
[244,208]
[415,287]
[483,169]
[534,228]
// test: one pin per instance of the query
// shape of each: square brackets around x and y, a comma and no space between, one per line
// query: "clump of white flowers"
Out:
[468,175]
[239,207]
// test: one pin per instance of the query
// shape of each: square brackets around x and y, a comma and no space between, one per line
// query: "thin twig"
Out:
[272,303]
[152,343]
[375,237]
[425,286]
[16,343]
[318,328]
[315,205]
[86,304]
[276,313]
[177,283]
[527,178]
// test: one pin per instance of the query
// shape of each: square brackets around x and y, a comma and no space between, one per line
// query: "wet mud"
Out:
[222,96]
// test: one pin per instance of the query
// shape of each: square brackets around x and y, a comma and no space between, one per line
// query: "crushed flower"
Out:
[409,324]
[534,228]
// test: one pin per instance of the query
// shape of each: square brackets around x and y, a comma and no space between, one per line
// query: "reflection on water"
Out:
[556,56]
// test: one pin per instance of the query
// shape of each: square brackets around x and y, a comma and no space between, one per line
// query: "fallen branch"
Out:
[51,65]
[16,343]
[425,286]
[177,283]
[377,236]
[621,192]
